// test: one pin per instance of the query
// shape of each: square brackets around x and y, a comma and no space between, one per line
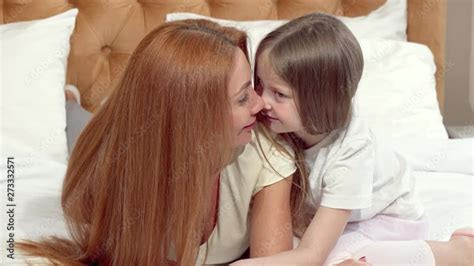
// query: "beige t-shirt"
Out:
[239,182]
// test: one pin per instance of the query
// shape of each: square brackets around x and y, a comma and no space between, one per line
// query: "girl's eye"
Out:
[279,95]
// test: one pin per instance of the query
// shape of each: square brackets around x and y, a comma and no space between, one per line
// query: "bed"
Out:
[48,44]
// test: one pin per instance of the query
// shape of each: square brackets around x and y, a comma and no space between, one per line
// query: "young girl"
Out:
[307,73]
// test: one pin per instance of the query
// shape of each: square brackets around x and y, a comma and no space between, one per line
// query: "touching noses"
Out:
[266,103]
[257,103]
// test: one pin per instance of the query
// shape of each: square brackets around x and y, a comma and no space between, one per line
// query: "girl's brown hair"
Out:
[322,62]
[139,179]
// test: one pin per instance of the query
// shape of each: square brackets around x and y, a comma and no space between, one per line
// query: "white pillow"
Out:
[34,61]
[388,21]
[397,92]
[447,155]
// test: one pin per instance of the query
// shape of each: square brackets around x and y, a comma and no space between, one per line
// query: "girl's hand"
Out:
[353,262]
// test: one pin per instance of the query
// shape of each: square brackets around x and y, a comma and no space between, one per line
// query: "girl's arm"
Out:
[270,226]
[316,244]
[323,232]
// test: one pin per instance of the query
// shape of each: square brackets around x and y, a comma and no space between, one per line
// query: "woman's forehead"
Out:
[240,74]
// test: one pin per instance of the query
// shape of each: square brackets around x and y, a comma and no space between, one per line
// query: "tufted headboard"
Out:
[107,31]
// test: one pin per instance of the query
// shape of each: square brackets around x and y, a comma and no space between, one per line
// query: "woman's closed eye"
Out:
[244,98]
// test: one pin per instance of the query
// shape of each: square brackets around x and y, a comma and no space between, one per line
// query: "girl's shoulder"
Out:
[354,135]
[357,130]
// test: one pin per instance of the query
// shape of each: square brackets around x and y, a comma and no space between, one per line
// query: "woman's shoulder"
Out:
[263,157]
[267,145]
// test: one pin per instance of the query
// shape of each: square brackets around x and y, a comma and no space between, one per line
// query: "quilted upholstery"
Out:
[107,31]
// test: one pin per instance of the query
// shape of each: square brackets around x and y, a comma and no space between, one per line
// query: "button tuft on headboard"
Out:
[106,50]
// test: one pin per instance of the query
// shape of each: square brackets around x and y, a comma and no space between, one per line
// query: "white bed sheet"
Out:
[449,201]
[448,198]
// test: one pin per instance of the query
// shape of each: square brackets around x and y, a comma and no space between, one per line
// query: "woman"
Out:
[167,169]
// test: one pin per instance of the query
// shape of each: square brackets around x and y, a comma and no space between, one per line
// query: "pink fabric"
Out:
[397,253]
[382,232]
[383,227]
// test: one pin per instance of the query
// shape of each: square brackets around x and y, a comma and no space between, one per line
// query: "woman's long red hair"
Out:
[138,184]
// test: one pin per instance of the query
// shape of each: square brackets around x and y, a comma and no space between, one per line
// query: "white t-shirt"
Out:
[352,169]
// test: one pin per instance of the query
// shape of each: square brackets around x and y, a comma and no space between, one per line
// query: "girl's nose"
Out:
[266,105]
[258,103]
